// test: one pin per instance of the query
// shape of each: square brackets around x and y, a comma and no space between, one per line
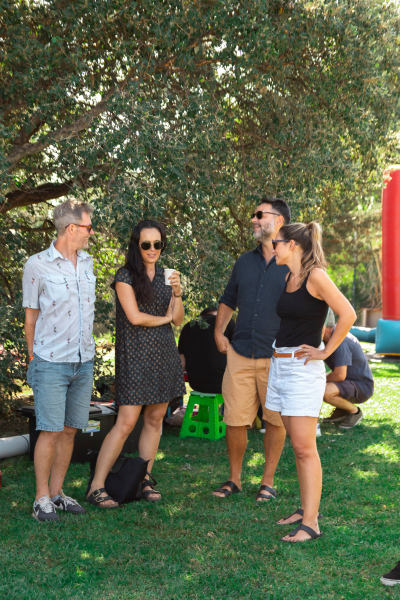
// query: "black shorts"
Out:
[350,390]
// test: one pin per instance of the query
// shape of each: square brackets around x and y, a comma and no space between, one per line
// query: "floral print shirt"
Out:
[65,298]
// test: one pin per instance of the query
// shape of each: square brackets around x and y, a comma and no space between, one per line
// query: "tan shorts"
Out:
[244,388]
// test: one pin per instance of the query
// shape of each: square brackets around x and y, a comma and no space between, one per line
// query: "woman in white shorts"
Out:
[297,380]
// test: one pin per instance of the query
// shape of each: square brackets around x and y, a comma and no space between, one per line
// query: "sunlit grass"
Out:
[197,547]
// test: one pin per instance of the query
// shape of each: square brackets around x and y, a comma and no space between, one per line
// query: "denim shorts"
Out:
[62,393]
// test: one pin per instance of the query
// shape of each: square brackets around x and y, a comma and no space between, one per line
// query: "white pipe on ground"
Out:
[14,446]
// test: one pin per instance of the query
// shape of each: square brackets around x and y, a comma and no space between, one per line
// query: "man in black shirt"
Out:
[200,357]
[349,382]
[254,287]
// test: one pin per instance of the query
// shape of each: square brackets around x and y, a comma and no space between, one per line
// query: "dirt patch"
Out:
[15,423]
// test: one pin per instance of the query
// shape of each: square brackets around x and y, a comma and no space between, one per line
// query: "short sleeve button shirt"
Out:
[65,298]
[254,288]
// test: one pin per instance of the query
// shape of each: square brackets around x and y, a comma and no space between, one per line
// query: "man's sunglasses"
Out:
[88,227]
[260,213]
[158,245]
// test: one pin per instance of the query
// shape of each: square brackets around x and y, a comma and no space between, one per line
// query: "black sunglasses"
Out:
[158,245]
[275,242]
[260,213]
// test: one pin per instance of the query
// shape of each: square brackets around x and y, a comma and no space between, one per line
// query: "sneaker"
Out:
[318,430]
[338,415]
[392,578]
[63,502]
[263,426]
[352,420]
[44,510]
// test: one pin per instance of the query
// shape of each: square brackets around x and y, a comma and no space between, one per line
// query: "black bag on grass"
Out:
[124,479]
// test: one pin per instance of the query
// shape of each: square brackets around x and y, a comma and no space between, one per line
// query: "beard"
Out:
[261,234]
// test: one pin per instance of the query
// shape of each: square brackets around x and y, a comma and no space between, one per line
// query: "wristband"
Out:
[31,358]
[177,295]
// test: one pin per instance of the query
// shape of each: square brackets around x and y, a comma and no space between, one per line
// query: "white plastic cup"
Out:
[167,275]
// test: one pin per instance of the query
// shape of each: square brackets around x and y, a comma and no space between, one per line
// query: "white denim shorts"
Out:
[296,389]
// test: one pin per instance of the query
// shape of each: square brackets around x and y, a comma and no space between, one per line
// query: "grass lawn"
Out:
[192,545]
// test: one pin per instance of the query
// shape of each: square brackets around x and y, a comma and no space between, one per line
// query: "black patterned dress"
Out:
[148,369]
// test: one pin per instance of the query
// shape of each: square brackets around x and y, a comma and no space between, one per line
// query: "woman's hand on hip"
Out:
[310,353]
[175,282]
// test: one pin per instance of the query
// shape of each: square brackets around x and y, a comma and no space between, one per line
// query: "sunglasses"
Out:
[260,213]
[158,245]
[88,227]
[275,242]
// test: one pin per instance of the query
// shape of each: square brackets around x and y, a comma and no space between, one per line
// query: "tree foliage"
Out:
[188,112]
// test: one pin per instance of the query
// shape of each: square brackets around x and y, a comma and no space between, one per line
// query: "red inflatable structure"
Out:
[388,328]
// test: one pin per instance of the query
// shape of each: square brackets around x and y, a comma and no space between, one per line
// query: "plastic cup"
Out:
[167,275]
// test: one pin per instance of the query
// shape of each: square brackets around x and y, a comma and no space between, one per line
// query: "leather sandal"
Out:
[96,499]
[233,489]
[267,489]
[311,532]
[299,511]
[146,493]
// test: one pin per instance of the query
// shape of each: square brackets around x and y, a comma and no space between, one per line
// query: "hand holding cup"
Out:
[173,279]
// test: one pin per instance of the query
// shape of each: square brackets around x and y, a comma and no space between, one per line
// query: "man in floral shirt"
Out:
[58,296]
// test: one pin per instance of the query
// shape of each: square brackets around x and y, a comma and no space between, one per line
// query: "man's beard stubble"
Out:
[262,234]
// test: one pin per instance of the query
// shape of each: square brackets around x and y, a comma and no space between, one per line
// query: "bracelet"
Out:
[31,358]
[177,295]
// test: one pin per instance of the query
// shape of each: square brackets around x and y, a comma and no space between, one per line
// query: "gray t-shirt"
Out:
[350,354]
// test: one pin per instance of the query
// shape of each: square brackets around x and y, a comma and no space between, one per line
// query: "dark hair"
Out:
[309,238]
[280,206]
[134,263]
[208,310]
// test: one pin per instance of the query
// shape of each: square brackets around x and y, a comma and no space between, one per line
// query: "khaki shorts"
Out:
[244,388]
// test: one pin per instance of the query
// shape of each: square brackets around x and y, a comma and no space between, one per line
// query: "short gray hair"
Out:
[330,319]
[68,212]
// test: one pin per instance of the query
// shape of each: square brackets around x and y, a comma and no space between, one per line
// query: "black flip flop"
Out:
[311,532]
[299,511]
[233,489]
[267,489]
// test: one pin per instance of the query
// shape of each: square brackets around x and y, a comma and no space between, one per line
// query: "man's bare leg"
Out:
[45,449]
[274,439]
[332,397]
[236,441]
[62,459]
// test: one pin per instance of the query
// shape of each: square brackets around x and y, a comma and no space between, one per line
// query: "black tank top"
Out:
[302,318]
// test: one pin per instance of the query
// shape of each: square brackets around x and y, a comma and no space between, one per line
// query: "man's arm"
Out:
[183,361]
[223,317]
[338,374]
[31,316]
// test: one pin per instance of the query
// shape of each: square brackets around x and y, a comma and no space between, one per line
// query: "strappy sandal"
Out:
[96,499]
[299,511]
[146,493]
[311,532]
[233,489]
[267,489]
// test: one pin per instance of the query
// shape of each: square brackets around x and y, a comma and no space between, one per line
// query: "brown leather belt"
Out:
[282,354]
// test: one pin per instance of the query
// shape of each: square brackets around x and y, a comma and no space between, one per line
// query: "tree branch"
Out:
[42,193]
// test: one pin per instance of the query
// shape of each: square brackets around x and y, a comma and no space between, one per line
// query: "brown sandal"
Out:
[96,499]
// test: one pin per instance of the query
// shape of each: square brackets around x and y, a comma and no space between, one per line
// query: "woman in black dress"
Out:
[147,364]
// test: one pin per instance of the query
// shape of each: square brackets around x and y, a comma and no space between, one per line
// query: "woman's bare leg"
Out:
[303,438]
[112,446]
[151,433]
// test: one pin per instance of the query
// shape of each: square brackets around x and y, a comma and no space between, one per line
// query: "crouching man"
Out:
[350,381]
[58,296]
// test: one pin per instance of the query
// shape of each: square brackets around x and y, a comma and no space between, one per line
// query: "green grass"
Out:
[194,546]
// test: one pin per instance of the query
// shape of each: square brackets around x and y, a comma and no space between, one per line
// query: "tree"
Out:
[189,112]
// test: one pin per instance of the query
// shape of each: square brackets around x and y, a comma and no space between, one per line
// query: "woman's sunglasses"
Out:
[158,245]
[275,242]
